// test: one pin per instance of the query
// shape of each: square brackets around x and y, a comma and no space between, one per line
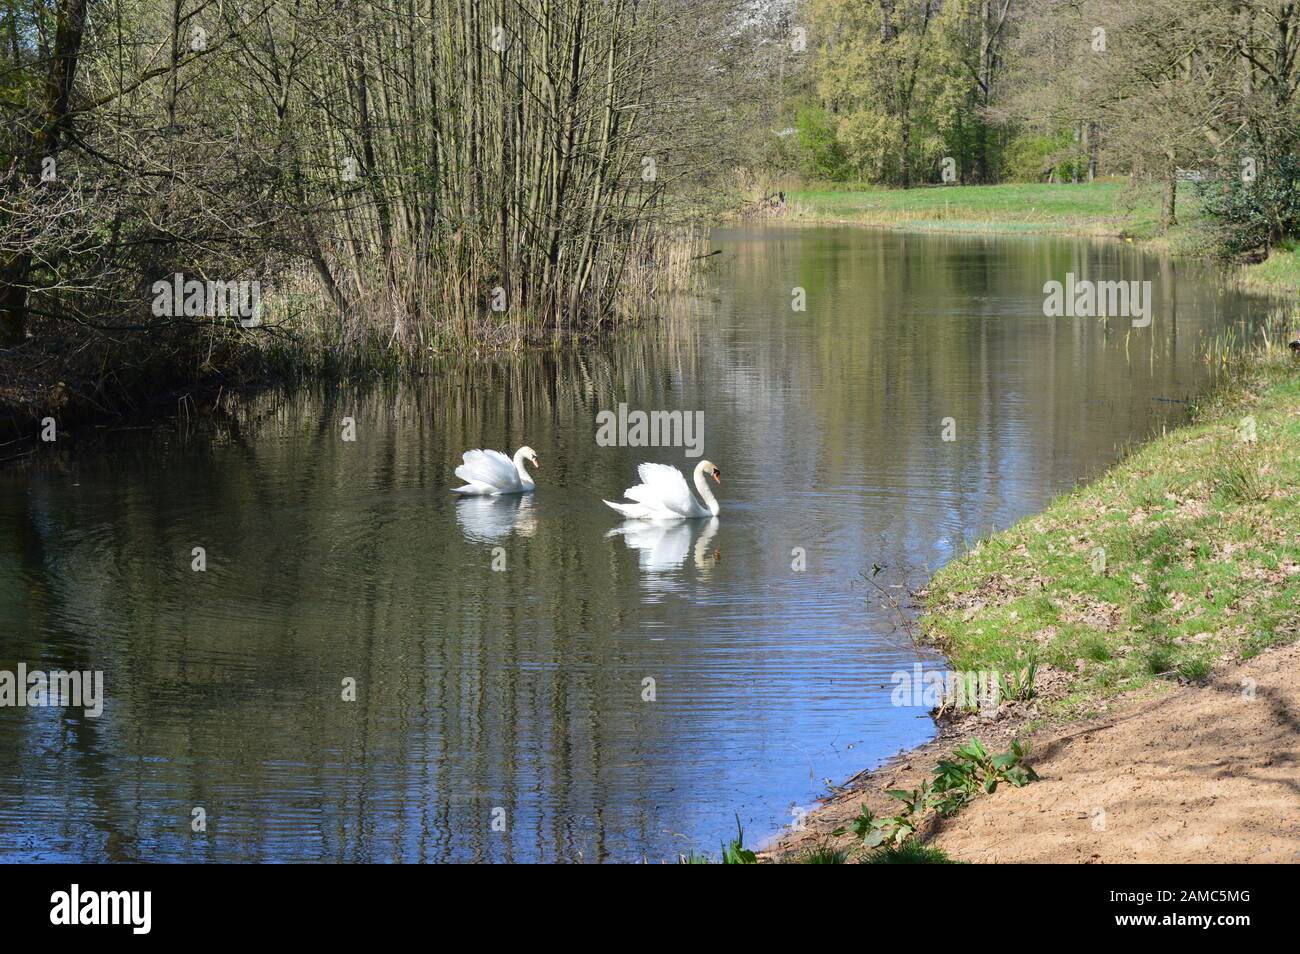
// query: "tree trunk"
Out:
[15,270]
[886,24]
[906,148]
[1074,164]
[983,88]
[1168,219]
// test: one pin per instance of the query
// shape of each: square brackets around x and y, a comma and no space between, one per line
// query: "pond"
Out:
[368,668]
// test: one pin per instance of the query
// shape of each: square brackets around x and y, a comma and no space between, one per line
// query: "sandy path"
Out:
[1202,774]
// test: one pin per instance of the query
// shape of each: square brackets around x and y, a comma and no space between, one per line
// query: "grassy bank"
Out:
[1109,208]
[1280,273]
[1146,601]
[141,365]
[1093,208]
[1185,554]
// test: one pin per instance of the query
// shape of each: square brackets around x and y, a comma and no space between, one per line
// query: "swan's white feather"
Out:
[475,489]
[487,472]
[661,495]
[664,487]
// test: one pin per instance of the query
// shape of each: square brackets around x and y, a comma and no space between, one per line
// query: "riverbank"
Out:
[47,380]
[76,373]
[1153,601]
[1099,209]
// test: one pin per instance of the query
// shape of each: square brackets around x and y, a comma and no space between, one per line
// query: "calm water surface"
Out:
[522,689]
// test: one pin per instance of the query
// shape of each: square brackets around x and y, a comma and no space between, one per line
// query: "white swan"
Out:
[663,494]
[488,472]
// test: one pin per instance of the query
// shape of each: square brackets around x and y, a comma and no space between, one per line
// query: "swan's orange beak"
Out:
[537,463]
[717,475]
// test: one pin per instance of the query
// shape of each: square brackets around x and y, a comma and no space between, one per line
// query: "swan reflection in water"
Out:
[664,546]
[489,519]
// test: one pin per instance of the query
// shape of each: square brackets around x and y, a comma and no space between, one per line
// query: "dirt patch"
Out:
[1200,773]
[1203,774]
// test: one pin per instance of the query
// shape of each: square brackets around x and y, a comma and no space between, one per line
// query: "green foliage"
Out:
[1194,670]
[1259,210]
[823,855]
[1029,158]
[973,770]
[1280,272]
[1159,660]
[822,156]
[1034,157]
[1237,478]
[1093,647]
[910,853]
[1019,687]
[733,852]
[893,829]
[898,85]
[957,781]
[736,853]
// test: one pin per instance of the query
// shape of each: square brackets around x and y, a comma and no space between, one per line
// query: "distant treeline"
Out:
[909,92]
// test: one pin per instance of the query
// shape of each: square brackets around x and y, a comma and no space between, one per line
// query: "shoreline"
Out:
[1154,778]
[1074,210]
[1161,649]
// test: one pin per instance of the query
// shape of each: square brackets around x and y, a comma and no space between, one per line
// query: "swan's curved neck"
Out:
[702,485]
[519,466]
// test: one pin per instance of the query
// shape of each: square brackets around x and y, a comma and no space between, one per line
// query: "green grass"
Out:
[910,853]
[1094,208]
[1280,272]
[822,855]
[1202,557]
[1103,208]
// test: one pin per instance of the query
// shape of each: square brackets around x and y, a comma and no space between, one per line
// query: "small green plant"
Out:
[1237,479]
[733,853]
[823,855]
[1194,670]
[973,769]
[1159,660]
[956,782]
[736,853]
[892,829]
[1020,686]
[911,853]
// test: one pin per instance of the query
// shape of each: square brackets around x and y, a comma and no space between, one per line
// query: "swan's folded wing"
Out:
[663,487]
[488,467]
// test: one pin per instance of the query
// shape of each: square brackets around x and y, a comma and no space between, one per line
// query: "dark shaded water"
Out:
[517,694]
